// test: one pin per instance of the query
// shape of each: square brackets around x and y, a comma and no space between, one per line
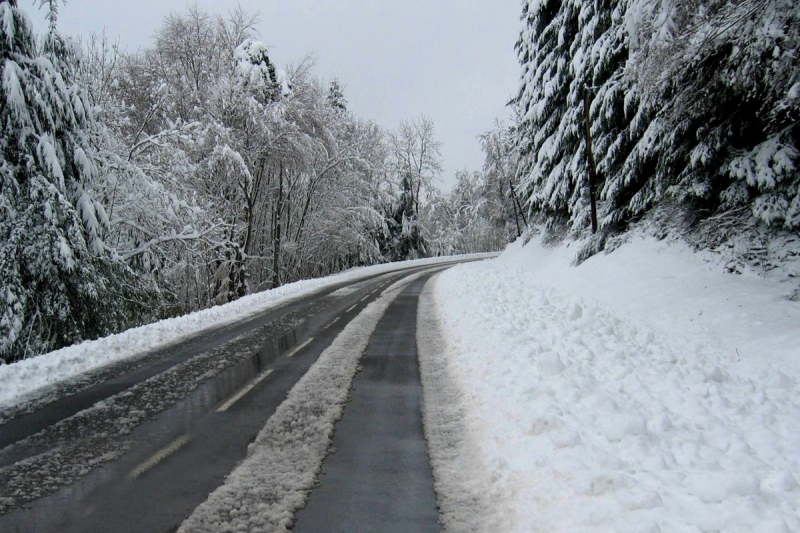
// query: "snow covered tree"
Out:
[726,81]
[415,166]
[416,157]
[692,102]
[336,97]
[499,168]
[403,238]
[156,223]
[55,269]
[464,220]
[571,50]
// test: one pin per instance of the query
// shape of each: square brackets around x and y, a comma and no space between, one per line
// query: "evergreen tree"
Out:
[691,102]
[569,51]
[403,238]
[56,273]
[726,82]
[336,97]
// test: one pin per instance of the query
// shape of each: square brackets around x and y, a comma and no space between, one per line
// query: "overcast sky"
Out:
[453,60]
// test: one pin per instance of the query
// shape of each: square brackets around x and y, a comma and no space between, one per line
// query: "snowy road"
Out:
[379,478]
[144,444]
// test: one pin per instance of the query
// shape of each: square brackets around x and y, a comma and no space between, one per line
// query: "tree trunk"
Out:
[276,233]
[514,205]
[590,159]
[517,202]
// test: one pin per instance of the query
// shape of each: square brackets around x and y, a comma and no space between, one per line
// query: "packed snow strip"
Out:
[24,377]
[460,478]
[265,490]
[598,404]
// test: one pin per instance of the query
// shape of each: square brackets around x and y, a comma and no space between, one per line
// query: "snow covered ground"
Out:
[19,380]
[642,391]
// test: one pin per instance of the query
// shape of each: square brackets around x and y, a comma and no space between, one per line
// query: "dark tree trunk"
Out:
[590,159]
[276,232]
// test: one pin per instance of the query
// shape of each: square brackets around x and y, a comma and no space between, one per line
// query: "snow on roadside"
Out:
[460,482]
[272,482]
[642,391]
[20,379]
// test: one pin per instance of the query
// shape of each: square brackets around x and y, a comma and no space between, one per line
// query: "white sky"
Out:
[450,59]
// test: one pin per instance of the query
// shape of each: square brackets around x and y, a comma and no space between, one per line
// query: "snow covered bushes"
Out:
[691,101]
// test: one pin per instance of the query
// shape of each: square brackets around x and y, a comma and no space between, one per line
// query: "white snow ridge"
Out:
[460,480]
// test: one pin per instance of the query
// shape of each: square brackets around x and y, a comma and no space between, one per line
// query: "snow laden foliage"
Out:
[57,276]
[470,218]
[691,101]
[422,220]
[501,188]
[564,48]
[191,173]
[154,218]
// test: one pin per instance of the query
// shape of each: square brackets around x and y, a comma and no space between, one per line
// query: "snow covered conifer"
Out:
[691,103]
[54,266]
[727,83]
[403,239]
[568,51]
[336,98]
[254,65]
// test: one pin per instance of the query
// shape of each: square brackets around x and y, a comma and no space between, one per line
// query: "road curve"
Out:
[163,432]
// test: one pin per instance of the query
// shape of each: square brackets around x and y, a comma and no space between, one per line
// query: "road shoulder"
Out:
[460,480]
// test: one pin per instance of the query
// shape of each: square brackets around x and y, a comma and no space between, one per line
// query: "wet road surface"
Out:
[157,468]
[379,477]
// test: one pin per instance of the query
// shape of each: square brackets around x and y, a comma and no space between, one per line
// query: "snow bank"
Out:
[460,480]
[642,391]
[272,482]
[20,379]
[680,293]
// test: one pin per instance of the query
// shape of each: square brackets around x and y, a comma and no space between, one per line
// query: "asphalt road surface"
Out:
[137,446]
[379,478]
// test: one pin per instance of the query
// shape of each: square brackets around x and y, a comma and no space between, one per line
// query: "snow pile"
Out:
[642,391]
[265,490]
[24,377]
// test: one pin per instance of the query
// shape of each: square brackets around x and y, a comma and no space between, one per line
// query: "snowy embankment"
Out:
[22,378]
[642,391]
